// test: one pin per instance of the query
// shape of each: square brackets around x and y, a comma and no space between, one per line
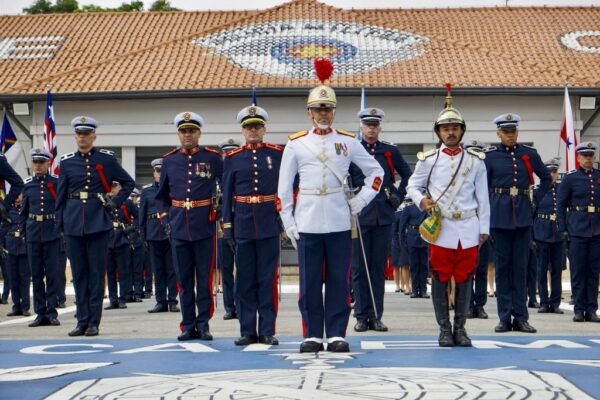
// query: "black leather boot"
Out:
[439,296]
[462,299]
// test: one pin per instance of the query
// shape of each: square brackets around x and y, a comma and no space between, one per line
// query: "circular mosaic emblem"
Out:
[581,41]
[288,48]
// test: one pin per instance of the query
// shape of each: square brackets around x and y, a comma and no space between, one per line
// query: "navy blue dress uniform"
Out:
[155,224]
[83,182]
[4,269]
[226,252]
[376,221]
[187,186]
[510,176]
[250,217]
[62,273]
[119,266]
[578,212]
[138,277]
[43,240]
[410,220]
[19,271]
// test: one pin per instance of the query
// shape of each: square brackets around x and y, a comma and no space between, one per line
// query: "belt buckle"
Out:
[456,214]
[187,204]
[17,234]
[39,218]
[115,224]
[83,195]
[513,191]
[322,191]
[552,217]
[254,199]
[591,209]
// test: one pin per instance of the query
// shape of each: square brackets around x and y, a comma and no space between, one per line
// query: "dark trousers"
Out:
[147,275]
[256,289]
[550,259]
[226,262]
[376,240]
[119,270]
[532,276]
[511,255]
[325,258]
[417,262]
[62,275]
[137,278]
[19,275]
[584,254]
[194,269]
[43,260]
[479,284]
[164,273]
[88,255]
[4,267]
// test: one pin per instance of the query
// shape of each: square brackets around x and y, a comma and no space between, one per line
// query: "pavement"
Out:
[137,356]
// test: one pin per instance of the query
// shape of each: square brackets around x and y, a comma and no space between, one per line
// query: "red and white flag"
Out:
[568,135]
[50,134]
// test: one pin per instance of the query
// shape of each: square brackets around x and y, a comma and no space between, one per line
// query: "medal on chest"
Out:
[341,149]
[269,162]
[202,170]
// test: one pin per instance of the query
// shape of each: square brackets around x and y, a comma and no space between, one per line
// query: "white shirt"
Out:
[472,194]
[315,213]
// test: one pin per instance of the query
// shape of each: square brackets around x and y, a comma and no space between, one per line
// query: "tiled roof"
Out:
[122,52]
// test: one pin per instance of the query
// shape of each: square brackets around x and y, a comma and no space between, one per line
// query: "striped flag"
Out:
[363,105]
[50,134]
[568,135]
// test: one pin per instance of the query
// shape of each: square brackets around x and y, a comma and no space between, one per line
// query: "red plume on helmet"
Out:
[323,68]
[448,103]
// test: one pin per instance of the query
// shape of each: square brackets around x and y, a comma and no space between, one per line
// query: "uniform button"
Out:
[254,158]
[189,157]
[189,165]
[88,174]
[254,150]
[41,209]
[255,165]
[255,172]
[256,181]
[515,179]
[85,187]
[256,189]
[189,190]
[84,201]
[189,181]
[187,199]
[189,172]
[41,197]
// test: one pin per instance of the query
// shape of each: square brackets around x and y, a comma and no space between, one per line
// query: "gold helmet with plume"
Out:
[449,115]
[322,96]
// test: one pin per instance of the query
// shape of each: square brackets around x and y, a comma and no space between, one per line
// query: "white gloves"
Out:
[356,204]
[292,233]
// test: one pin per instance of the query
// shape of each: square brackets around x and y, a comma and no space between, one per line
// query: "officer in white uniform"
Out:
[319,224]
[454,181]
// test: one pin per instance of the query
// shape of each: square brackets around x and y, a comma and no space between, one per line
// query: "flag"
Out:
[363,105]
[50,134]
[568,136]
[254,100]
[10,148]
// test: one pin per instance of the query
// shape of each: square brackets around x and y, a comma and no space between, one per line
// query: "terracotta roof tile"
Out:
[485,47]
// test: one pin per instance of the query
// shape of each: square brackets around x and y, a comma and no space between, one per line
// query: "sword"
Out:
[219,234]
[350,193]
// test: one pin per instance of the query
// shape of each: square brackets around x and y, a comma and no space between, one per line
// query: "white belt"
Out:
[458,215]
[322,191]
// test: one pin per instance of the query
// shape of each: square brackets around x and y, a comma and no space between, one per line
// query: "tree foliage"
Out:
[72,6]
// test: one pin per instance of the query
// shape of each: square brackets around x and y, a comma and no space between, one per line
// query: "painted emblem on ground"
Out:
[515,367]
[287,48]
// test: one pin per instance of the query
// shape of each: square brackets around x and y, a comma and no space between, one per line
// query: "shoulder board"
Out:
[175,150]
[489,148]
[234,152]
[147,186]
[572,171]
[388,143]
[346,133]
[109,152]
[27,180]
[210,150]
[421,156]
[297,135]
[67,156]
[274,146]
[530,147]
[477,153]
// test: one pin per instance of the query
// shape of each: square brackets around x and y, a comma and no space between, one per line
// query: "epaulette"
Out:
[211,150]
[27,180]
[571,171]
[297,135]
[274,146]
[234,152]
[384,142]
[109,152]
[175,150]
[489,148]
[530,147]
[67,156]
[421,156]
[346,133]
[476,152]
[147,186]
